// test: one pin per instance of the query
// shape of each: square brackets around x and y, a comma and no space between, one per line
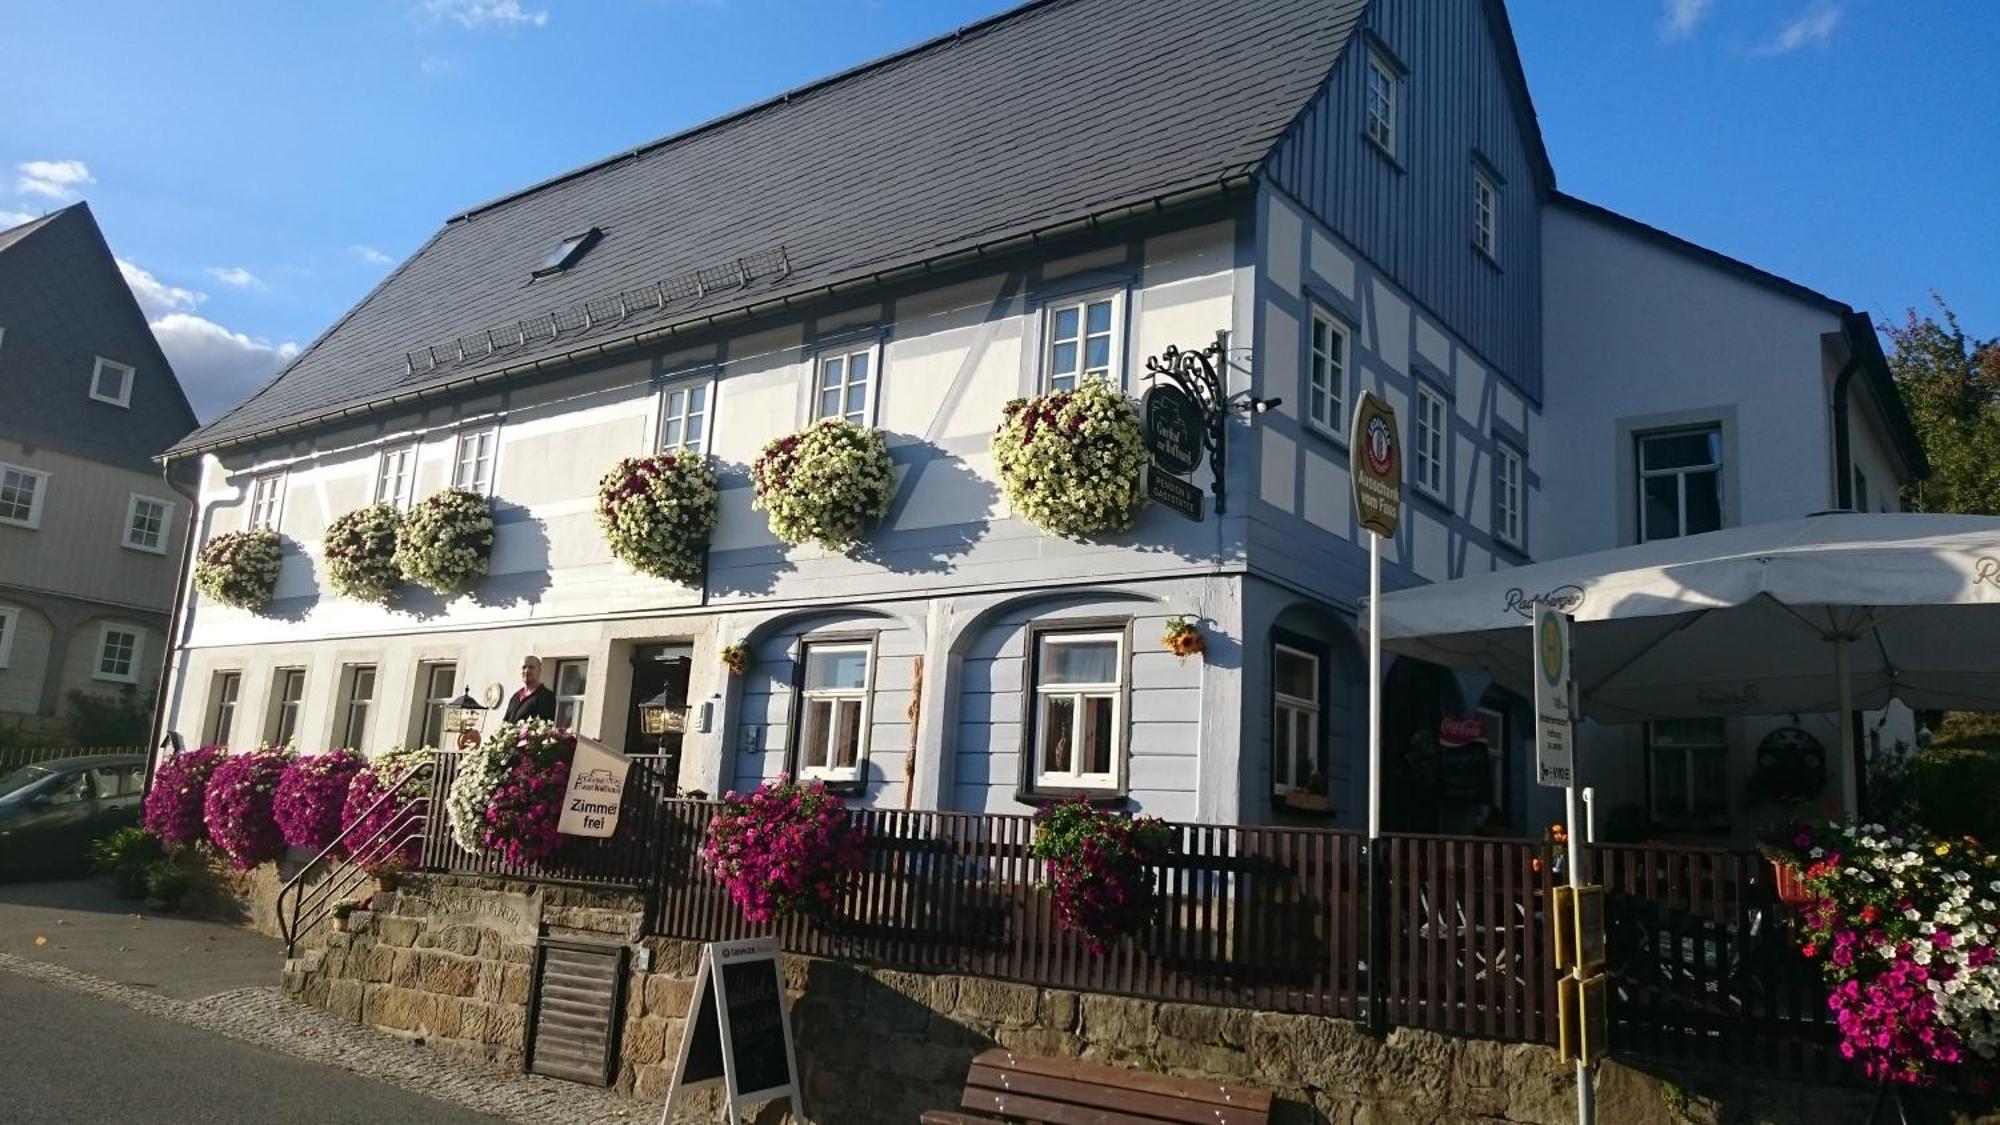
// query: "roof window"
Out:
[568,252]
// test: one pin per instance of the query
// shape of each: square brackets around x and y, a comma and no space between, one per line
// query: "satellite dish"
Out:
[492,694]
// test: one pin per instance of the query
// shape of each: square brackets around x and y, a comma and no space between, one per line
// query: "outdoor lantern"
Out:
[658,717]
[465,715]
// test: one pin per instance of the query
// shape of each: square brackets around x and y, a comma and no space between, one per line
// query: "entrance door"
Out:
[656,668]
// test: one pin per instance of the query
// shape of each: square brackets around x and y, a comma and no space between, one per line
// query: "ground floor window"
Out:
[571,679]
[288,693]
[1688,771]
[1078,717]
[434,685]
[357,696]
[1298,727]
[222,694]
[832,741]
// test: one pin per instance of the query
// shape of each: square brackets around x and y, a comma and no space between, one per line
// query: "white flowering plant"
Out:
[658,512]
[445,541]
[824,484]
[360,550]
[1070,460]
[239,568]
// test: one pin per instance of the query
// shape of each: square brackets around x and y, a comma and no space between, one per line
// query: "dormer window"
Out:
[111,382]
[568,252]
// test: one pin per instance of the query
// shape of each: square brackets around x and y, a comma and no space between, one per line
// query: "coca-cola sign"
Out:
[1457,730]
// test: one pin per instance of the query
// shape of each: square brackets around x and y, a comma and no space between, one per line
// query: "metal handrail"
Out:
[415,811]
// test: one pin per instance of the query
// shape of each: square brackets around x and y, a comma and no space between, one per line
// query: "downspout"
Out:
[1843,455]
[158,732]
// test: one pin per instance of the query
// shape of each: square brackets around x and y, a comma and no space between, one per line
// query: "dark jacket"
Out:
[538,704]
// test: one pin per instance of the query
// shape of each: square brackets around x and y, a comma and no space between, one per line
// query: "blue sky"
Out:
[260,166]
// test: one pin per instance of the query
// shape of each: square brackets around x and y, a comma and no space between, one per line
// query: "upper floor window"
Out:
[146,524]
[117,654]
[267,495]
[1485,209]
[21,491]
[288,694]
[1384,79]
[395,475]
[1680,483]
[111,382]
[1508,495]
[10,623]
[1326,391]
[222,694]
[1082,342]
[1428,464]
[833,713]
[472,466]
[684,417]
[1078,736]
[571,679]
[357,698]
[845,386]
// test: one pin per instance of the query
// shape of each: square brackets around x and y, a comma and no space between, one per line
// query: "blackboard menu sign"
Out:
[738,1031]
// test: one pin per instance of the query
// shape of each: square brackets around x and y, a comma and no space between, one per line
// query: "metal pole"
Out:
[1586,1094]
[1850,797]
[1378,870]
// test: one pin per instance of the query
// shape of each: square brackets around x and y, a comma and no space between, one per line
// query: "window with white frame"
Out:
[10,625]
[1688,761]
[572,678]
[267,498]
[1380,102]
[844,386]
[1485,211]
[1509,524]
[288,694]
[357,698]
[1298,759]
[222,692]
[21,491]
[833,710]
[111,381]
[146,524]
[1680,482]
[472,465]
[1082,342]
[684,417]
[395,475]
[118,654]
[434,686]
[1079,710]
[1428,464]
[1326,373]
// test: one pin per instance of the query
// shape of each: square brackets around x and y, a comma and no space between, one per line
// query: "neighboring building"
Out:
[91,532]
[1356,192]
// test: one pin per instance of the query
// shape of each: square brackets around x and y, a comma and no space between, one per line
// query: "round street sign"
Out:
[1173,429]
[1375,465]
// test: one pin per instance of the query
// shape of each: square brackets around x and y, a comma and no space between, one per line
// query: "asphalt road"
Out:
[74,1059]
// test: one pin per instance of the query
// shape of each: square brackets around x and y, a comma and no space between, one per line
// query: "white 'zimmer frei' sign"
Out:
[1554,725]
[596,789]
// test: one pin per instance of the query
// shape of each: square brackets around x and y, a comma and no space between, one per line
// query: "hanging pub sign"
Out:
[596,790]
[1174,429]
[738,1033]
[1375,465]
[1173,493]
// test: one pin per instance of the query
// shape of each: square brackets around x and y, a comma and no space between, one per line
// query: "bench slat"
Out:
[949,1117]
[1053,1112]
[1210,1092]
[1113,1095]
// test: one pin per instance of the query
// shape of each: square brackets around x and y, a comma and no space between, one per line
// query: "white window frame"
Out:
[353,713]
[1428,471]
[1331,419]
[276,720]
[1485,214]
[574,702]
[426,704]
[1114,370]
[1641,474]
[129,374]
[397,488]
[1687,752]
[219,730]
[132,514]
[131,673]
[1046,779]
[36,503]
[871,386]
[10,626]
[267,502]
[687,388]
[862,698]
[1284,706]
[1510,495]
[480,482]
[1382,83]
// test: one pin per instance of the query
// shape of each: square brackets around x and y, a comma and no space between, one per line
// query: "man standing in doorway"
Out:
[534,700]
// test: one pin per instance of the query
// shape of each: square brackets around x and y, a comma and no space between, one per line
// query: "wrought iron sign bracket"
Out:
[1200,375]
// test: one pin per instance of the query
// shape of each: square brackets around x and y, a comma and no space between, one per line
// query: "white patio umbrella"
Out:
[1835,612]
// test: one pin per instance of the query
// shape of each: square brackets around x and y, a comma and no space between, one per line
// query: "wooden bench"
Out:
[1004,1086]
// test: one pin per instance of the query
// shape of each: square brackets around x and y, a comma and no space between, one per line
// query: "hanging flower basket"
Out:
[360,549]
[239,807]
[174,804]
[372,783]
[788,849]
[1100,869]
[658,512]
[824,484]
[1183,637]
[310,794]
[736,658]
[445,542]
[239,568]
[1070,460]
[508,795]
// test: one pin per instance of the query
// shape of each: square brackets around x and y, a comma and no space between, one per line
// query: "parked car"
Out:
[50,813]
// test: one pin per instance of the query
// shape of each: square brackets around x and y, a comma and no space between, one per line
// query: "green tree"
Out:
[1951,384]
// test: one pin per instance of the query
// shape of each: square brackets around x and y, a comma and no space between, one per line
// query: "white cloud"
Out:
[1810,28]
[52,179]
[218,368]
[1682,16]
[236,276]
[156,297]
[11,219]
[370,255]
[437,66]
[474,15]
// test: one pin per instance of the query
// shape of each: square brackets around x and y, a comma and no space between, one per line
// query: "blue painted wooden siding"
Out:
[1415,221]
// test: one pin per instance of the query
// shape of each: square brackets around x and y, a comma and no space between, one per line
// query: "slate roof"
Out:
[1045,115]
[63,303]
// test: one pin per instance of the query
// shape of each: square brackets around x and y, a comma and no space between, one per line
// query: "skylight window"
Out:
[568,252]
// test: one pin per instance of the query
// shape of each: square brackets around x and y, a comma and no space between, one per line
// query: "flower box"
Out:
[1790,883]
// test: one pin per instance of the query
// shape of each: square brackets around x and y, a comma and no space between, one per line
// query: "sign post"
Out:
[1375,467]
[737,1033]
[1581,995]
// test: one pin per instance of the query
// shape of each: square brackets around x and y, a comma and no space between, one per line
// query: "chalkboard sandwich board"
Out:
[739,1033]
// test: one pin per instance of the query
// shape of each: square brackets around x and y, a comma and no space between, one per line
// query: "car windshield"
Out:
[21,778]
